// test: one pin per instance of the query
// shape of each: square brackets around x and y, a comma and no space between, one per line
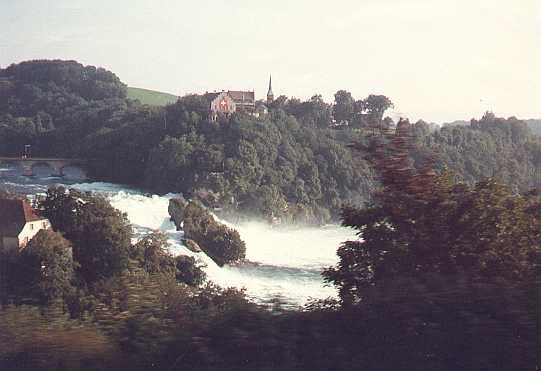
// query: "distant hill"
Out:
[533,124]
[151,97]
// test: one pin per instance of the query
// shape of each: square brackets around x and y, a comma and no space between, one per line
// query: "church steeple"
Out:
[270,94]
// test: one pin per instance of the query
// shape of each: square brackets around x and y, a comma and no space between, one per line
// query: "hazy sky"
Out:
[439,60]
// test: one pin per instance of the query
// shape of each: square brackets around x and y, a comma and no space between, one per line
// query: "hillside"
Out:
[151,97]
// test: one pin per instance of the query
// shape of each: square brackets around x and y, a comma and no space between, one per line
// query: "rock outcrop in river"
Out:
[176,211]
[221,243]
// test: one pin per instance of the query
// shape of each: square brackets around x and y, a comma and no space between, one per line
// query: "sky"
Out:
[437,60]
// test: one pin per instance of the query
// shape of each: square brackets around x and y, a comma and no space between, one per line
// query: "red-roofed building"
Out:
[227,102]
[221,104]
[19,223]
[243,99]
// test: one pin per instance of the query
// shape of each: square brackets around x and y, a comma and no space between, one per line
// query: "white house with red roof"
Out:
[19,223]
[226,103]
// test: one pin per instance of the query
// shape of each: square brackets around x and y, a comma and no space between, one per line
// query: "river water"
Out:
[283,263]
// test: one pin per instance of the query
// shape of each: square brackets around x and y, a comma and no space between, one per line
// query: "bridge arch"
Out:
[74,170]
[8,167]
[56,166]
[43,168]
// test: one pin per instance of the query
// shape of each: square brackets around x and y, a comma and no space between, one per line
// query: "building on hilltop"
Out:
[244,100]
[221,104]
[226,103]
[19,223]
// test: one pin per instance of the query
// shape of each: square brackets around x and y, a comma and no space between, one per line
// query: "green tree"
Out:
[189,271]
[375,106]
[46,266]
[153,255]
[100,234]
[344,107]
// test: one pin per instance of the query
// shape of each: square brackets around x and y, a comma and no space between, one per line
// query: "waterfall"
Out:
[284,263]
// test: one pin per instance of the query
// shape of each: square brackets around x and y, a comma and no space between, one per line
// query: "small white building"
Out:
[19,223]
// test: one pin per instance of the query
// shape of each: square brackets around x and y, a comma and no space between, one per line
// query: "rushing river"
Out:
[283,263]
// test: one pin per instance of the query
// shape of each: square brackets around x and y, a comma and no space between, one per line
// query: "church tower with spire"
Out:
[270,94]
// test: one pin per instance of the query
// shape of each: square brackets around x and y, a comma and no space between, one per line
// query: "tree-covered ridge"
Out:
[292,163]
[49,104]
[61,77]
[504,149]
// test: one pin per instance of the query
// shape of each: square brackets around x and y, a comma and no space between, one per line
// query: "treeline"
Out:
[504,149]
[292,164]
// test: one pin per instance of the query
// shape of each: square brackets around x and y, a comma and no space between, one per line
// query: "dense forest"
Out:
[293,163]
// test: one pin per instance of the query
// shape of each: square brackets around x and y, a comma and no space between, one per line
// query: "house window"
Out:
[31,226]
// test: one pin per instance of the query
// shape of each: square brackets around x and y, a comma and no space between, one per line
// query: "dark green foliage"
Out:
[44,338]
[314,113]
[40,273]
[100,234]
[88,82]
[375,106]
[446,275]
[344,107]
[452,322]
[504,149]
[46,267]
[366,113]
[188,271]
[434,323]
[423,223]
[219,242]
[151,252]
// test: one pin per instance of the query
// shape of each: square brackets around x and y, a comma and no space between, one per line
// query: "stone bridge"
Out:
[57,165]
